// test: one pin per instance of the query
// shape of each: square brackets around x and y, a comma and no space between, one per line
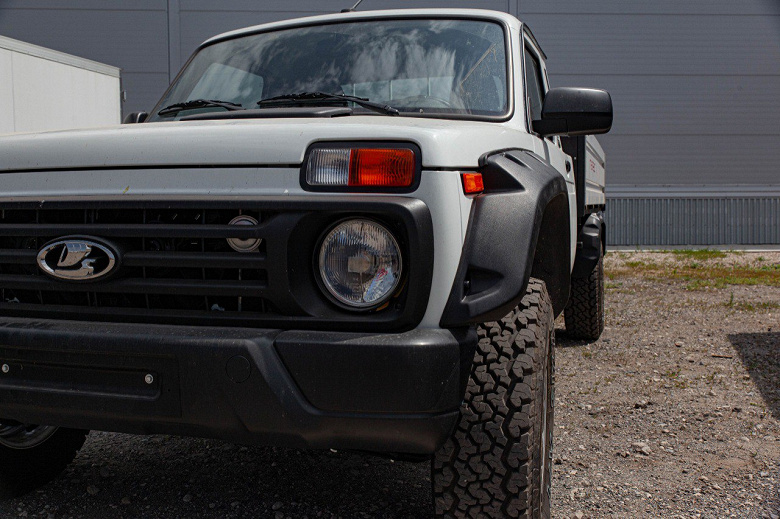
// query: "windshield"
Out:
[420,67]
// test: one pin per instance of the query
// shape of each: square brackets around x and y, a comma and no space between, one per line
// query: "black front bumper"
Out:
[396,393]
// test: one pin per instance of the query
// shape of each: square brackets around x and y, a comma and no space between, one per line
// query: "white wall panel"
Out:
[6,92]
[52,96]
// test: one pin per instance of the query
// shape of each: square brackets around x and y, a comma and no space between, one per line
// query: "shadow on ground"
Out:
[760,354]
[563,340]
[118,475]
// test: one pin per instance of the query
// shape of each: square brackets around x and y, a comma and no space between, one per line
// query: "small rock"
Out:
[125,501]
[764,474]
[277,505]
[92,490]
[278,515]
[187,498]
[704,478]
[578,514]
[679,344]
[642,404]
[711,392]
[641,448]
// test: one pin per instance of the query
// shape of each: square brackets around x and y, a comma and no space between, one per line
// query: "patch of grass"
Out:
[753,307]
[697,276]
[699,254]
[613,285]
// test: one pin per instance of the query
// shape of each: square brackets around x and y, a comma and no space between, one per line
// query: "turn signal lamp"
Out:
[361,167]
[472,183]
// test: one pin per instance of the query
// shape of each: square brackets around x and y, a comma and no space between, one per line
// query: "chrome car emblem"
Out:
[77,259]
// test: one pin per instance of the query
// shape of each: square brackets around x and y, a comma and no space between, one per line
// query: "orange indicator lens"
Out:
[472,183]
[381,167]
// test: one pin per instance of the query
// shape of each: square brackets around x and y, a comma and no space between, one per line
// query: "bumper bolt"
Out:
[149,379]
[6,368]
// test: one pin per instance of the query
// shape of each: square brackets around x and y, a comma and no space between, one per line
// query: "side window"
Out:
[533,81]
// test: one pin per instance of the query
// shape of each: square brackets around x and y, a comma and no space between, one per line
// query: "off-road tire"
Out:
[584,313]
[23,470]
[498,461]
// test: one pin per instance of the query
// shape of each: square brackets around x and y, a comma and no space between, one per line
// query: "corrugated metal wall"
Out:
[694,83]
[693,221]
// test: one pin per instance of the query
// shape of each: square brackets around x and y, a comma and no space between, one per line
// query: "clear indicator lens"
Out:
[360,263]
[328,167]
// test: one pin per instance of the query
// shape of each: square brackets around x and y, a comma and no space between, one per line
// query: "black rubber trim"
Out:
[589,245]
[518,227]
[272,113]
[396,393]
[394,145]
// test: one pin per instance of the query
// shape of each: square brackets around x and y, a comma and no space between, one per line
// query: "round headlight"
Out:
[360,263]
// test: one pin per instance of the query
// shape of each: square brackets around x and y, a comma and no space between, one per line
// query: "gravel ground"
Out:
[674,412]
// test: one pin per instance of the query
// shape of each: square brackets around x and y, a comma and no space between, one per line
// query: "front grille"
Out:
[173,260]
[176,266]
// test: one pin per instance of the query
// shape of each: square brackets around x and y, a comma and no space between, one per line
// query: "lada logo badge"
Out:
[77,259]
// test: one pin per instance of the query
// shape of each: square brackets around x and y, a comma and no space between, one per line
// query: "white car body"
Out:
[308,274]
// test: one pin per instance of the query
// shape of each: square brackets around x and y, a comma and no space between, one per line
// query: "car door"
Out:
[548,149]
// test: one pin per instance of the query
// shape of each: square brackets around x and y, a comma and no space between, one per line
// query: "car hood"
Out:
[444,143]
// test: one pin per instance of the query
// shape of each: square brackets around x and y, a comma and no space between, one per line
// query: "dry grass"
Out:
[698,269]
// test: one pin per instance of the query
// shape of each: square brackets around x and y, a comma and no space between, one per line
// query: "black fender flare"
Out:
[590,245]
[518,228]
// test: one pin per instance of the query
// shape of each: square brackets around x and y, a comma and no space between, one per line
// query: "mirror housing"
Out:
[135,117]
[575,111]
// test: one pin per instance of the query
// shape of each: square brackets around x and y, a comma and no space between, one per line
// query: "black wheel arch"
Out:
[518,228]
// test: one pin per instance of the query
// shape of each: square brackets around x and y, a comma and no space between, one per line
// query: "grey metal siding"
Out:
[693,221]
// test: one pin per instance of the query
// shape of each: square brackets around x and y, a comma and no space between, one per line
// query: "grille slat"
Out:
[193,260]
[134,231]
[139,286]
[18,257]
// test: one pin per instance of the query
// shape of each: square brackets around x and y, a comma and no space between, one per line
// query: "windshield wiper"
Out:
[313,97]
[199,103]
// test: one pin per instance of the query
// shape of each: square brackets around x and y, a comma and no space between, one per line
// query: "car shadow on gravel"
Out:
[117,475]
[563,340]
[760,354]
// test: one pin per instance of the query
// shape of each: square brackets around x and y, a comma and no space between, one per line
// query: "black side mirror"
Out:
[575,111]
[135,117]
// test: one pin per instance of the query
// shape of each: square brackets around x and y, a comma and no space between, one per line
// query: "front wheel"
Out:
[498,461]
[32,455]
